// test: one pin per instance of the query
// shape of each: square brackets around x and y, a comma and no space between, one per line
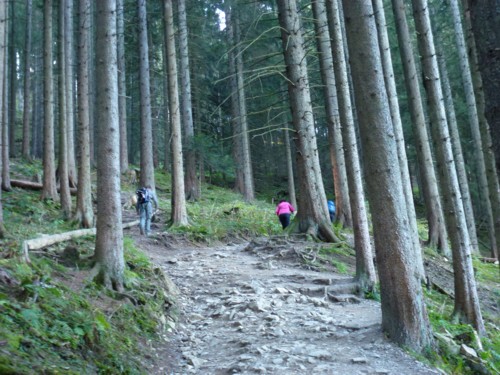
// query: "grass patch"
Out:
[341,267]
[49,328]
[221,214]
[53,319]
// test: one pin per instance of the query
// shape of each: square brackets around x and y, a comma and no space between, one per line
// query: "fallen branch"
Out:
[44,241]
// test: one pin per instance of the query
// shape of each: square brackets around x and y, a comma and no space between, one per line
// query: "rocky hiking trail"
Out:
[250,308]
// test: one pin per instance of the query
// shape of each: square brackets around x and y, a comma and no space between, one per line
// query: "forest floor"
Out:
[254,308]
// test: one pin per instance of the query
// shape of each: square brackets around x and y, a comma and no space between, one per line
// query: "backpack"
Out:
[331,207]
[143,195]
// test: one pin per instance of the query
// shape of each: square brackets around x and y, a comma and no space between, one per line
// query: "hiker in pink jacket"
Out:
[284,210]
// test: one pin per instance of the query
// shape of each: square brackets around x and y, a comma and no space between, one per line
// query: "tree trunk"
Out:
[437,229]
[179,211]
[246,167]
[365,269]
[4,146]
[27,82]
[392,96]
[474,126]
[235,110]
[12,84]
[92,87]
[38,104]
[63,117]
[344,215]
[289,161]
[466,300]
[312,214]
[110,264]
[404,315]
[49,191]
[336,147]
[484,21]
[192,184]
[147,167]
[70,96]
[167,165]
[84,211]
[3,69]
[122,87]
[457,152]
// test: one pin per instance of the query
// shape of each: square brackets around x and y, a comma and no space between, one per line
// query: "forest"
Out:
[389,108]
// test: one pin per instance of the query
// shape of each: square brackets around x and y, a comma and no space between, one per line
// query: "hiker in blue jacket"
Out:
[144,207]
[331,210]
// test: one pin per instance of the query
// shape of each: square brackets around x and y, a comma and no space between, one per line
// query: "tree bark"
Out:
[336,146]
[392,96]
[179,211]
[246,167]
[4,147]
[122,87]
[457,152]
[49,191]
[344,93]
[365,269]
[63,166]
[3,22]
[84,212]
[484,20]
[312,214]
[466,299]
[404,315]
[192,184]
[437,230]
[27,82]
[288,155]
[235,110]
[474,126]
[147,167]
[167,162]
[70,90]
[12,84]
[110,264]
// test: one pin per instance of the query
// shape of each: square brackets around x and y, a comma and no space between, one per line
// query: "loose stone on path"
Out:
[239,316]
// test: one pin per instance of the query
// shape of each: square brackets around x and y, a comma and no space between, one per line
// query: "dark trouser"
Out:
[284,220]
[332,217]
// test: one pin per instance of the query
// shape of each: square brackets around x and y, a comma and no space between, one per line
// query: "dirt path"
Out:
[245,313]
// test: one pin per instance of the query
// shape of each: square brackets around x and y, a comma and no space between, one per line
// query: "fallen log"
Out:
[489,260]
[34,185]
[44,241]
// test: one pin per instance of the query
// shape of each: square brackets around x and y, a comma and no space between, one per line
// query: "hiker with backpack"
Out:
[144,207]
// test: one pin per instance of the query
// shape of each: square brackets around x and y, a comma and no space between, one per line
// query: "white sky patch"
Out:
[222,19]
